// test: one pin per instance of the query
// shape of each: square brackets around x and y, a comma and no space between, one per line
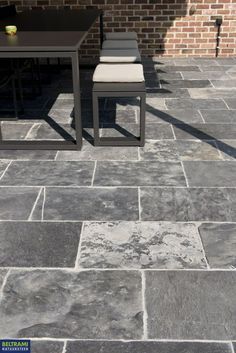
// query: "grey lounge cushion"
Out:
[122,35]
[120,44]
[118,73]
[120,56]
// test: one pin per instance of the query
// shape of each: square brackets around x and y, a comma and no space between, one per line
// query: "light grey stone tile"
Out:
[205,61]
[231,102]
[89,152]
[2,276]
[217,68]
[139,173]
[56,173]
[169,76]
[191,305]
[219,243]
[231,83]
[89,305]
[25,155]
[3,166]
[227,149]
[118,116]
[184,62]
[207,75]
[206,93]
[47,346]
[167,92]
[207,173]
[205,131]
[219,116]
[47,132]
[195,103]
[175,68]
[39,244]
[159,151]
[98,204]
[152,131]
[234,346]
[16,202]
[226,61]
[141,245]
[156,103]
[122,103]
[187,204]
[14,131]
[145,346]
[173,116]
[186,83]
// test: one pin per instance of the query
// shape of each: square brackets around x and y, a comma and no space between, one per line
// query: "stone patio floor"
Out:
[124,249]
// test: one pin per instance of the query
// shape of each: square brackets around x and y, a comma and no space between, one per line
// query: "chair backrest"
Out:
[7,11]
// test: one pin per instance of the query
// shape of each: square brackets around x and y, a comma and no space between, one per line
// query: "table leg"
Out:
[77,99]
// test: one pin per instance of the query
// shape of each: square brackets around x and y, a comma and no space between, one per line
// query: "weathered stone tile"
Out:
[14,131]
[47,132]
[195,104]
[169,76]
[2,276]
[3,166]
[187,204]
[39,244]
[139,173]
[186,83]
[191,305]
[175,68]
[98,204]
[27,155]
[16,202]
[230,83]
[89,305]
[118,116]
[204,61]
[47,346]
[156,103]
[207,75]
[207,93]
[56,173]
[217,68]
[167,92]
[231,102]
[226,61]
[173,116]
[207,173]
[159,151]
[141,245]
[152,131]
[128,103]
[219,244]
[227,149]
[89,152]
[145,346]
[219,116]
[205,131]
[234,346]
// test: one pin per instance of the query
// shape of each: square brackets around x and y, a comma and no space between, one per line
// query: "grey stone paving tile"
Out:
[14,131]
[144,347]
[227,149]
[219,243]
[218,68]
[27,155]
[207,75]
[63,173]
[191,304]
[37,212]
[175,68]
[47,346]
[89,152]
[205,131]
[119,116]
[207,93]
[152,131]
[170,76]
[185,83]
[195,104]
[187,204]
[98,204]
[234,346]
[3,166]
[231,102]
[168,92]
[2,276]
[207,173]
[231,83]
[219,116]
[173,116]
[16,202]
[65,304]
[141,245]
[204,61]
[183,62]
[122,103]
[156,103]
[145,173]
[159,151]
[47,132]
[39,244]
[226,61]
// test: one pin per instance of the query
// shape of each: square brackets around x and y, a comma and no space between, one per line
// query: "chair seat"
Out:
[118,73]
[120,44]
[120,56]
[122,36]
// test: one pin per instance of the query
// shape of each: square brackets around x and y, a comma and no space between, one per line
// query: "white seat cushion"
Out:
[120,56]
[120,44]
[118,73]
[122,35]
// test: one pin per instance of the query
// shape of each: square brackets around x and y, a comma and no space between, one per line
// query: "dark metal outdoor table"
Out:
[50,33]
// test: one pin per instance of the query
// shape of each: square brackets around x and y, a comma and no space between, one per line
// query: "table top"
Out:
[47,30]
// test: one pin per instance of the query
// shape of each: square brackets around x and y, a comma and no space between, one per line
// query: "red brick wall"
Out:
[164,27]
